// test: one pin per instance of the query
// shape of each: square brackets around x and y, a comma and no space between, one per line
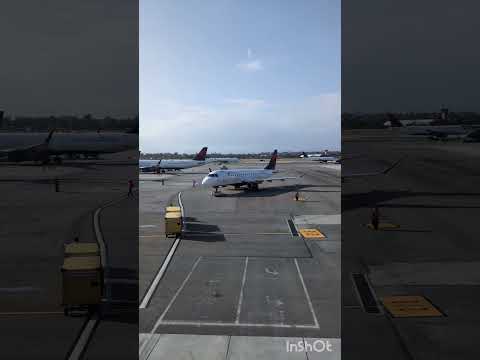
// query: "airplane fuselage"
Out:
[70,143]
[167,164]
[236,177]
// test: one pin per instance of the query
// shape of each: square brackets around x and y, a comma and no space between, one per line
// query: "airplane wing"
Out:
[38,151]
[281,178]
[383,172]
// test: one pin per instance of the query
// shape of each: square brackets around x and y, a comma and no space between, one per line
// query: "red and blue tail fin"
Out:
[273,161]
[201,155]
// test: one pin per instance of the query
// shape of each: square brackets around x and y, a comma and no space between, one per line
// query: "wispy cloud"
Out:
[242,125]
[252,64]
[246,102]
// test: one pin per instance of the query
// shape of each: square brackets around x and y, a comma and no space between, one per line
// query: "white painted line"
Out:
[158,323]
[288,227]
[372,291]
[306,294]
[240,298]
[158,277]
[99,236]
[235,324]
[83,339]
[98,231]
[177,293]
[180,203]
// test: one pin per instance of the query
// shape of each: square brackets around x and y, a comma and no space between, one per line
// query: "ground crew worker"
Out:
[194,183]
[297,195]
[375,217]
[163,182]
[130,188]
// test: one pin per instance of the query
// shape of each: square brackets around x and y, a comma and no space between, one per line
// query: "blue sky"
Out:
[239,75]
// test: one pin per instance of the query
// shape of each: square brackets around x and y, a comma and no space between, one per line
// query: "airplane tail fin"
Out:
[49,137]
[201,155]
[273,161]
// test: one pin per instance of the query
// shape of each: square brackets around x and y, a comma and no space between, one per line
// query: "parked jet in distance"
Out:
[323,157]
[433,132]
[243,177]
[147,165]
[173,164]
[222,160]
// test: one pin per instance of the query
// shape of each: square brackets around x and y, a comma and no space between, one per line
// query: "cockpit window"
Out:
[212,175]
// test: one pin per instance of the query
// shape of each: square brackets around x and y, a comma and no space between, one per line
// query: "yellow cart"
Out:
[173,209]
[82,283]
[173,224]
[81,249]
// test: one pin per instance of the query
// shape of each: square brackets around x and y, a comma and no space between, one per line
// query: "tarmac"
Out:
[241,277]
[40,222]
[430,202]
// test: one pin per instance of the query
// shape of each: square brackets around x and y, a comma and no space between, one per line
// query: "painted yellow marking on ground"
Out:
[311,233]
[383,226]
[410,306]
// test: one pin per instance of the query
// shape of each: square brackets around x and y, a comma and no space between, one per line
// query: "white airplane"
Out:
[19,146]
[222,160]
[323,157]
[243,177]
[433,132]
[173,164]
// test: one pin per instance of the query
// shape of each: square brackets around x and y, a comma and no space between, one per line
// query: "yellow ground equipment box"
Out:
[82,282]
[173,209]
[81,249]
[173,224]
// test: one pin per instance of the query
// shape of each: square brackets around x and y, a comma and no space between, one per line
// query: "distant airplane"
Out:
[323,157]
[433,132]
[20,146]
[243,177]
[148,165]
[222,160]
[173,164]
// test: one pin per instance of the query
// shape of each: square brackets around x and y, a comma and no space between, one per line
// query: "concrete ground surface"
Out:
[433,198]
[238,276]
[39,222]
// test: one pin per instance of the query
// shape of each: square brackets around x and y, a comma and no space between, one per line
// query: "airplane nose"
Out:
[204,181]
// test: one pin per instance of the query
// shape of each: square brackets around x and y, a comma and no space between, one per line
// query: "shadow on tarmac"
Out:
[373,198]
[269,192]
[197,231]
